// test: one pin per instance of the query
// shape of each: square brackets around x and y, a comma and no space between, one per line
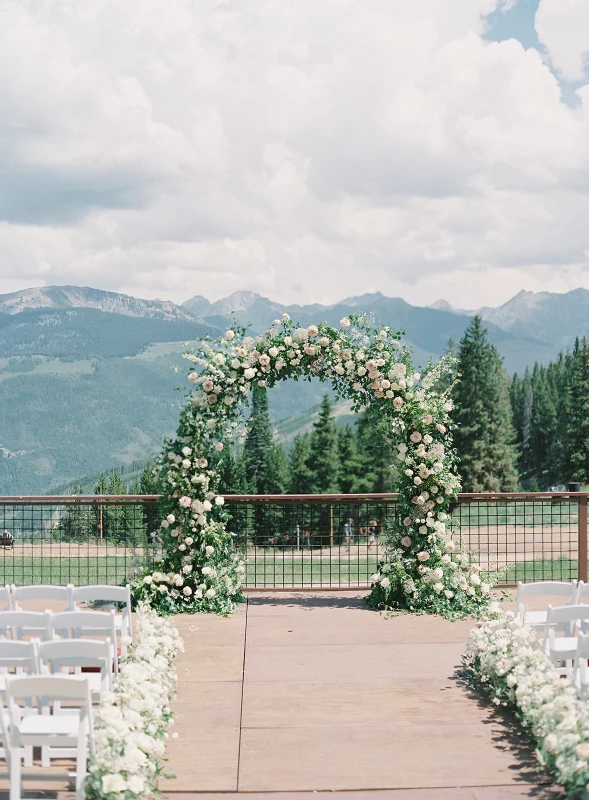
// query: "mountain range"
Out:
[87,377]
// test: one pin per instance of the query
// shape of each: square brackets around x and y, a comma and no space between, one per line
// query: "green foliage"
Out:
[484,437]
[577,429]
[301,477]
[323,456]
[258,443]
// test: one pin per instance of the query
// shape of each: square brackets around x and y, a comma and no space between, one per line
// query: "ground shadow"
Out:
[307,602]
[509,735]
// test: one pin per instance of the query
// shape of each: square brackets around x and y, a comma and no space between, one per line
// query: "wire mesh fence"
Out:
[288,541]
[76,539]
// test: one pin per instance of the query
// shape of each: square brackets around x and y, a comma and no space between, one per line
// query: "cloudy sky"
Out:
[305,150]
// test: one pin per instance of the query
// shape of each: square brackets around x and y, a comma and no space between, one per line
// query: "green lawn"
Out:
[60,571]
[558,569]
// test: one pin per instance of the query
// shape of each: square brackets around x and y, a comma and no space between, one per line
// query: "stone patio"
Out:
[304,693]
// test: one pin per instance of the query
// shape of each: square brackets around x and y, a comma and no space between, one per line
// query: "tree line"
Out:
[326,460]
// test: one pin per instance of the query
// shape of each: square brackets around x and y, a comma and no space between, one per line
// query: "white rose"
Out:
[249,373]
[339,369]
[207,505]
[165,523]
[312,330]
[209,550]
[113,783]
[423,556]
[385,583]
[187,591]
[406,541]
[148,579]
[345,322]
[285,318]
[219,500]
[273,351]
[193,376]
[186,451]
[186,463]
[189,540]
[398,402]
[236,363]
[171,518]
[210,593]
[324,341]
[230,335]
[475,580]
[135,784]
[185,502]
[438,587]
[449,594]
[276,323]
[415,437]
[187,568]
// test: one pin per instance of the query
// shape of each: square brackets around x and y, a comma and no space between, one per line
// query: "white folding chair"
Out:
[103,593]
[16,659]
[5,598]
[546,589]
[41,592]
[580,671]
[563,648]
[20,625]
[41,729]
[77,657]
[86,624]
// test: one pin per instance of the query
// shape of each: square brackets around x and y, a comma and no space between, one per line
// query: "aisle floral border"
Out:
[423,568]
[132,722]
[505,659]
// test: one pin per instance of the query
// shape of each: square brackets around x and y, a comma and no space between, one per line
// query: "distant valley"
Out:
[88,378]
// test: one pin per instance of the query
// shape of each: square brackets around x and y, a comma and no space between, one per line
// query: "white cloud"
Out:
[563,28]
[307,151]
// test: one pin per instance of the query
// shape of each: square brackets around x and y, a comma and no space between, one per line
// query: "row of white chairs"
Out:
[563,628]
[570,592]
[68,625]
[12,596]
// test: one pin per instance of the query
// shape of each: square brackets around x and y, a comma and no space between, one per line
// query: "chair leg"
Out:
[15,773]
[28,755]
[45,758]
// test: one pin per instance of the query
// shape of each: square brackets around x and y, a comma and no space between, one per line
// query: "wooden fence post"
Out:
[582,537]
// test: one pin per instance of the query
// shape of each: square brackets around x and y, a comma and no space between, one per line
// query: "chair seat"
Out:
[535,617]
[62,726]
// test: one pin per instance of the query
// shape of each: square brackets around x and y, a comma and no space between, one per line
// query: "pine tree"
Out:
[278,474]
[258,443]
[78,524]
[300,476]
[578,414]
[485,435]
[375,453]
[323,460]
[350,467]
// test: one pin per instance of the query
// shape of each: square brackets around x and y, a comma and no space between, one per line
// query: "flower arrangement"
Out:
[423,569]
[505,659]
[132,722]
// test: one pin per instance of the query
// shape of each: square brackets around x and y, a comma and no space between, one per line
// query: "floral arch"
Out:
[422,568]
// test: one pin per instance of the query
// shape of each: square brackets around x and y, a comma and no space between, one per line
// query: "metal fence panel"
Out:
[288,541]
[79,539]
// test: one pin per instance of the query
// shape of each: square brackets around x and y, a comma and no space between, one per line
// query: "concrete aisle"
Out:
[316,693]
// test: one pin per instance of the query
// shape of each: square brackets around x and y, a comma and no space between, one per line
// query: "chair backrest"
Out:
[525,591]
[20,624]
[17,655]
[103,593]
[41,592]
[5,598]
[566,617]
[61,654]
[80,624]
[582,592]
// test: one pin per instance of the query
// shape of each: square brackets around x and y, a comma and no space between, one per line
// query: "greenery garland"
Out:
[422,570]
